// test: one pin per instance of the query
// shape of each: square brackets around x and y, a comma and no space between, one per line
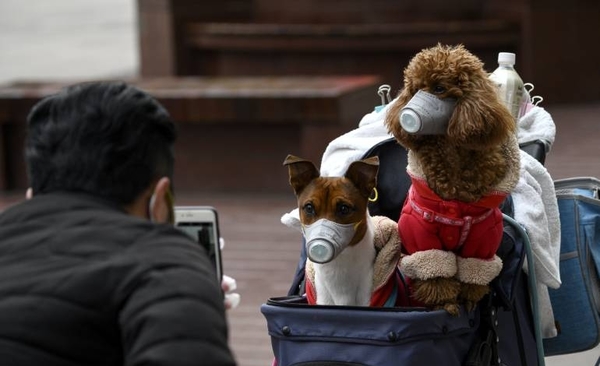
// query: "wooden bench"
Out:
[234,133]
[3,150]
[14,107]
[376,38]
[296,49]
[553,39]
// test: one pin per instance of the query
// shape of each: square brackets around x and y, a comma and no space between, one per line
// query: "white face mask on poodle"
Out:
[426,114]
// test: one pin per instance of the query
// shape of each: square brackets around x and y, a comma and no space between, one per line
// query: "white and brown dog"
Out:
[347,263]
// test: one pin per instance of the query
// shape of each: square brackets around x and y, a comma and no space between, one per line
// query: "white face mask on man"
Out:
[170,207]
[326,239]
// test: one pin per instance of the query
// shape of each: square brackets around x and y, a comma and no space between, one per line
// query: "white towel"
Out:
[537,124]
[536,209]
[351,146]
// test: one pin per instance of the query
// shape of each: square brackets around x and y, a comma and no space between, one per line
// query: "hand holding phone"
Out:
[232,298]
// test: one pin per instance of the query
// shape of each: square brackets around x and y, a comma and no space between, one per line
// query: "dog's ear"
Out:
[363,173]
[480,120]
[301,172]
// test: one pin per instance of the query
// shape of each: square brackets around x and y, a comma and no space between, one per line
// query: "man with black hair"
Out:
[91,271]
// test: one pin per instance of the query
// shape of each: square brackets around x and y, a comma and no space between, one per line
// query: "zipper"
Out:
[300,302]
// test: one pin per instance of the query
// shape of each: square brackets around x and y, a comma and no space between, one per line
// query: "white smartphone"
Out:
[201,223]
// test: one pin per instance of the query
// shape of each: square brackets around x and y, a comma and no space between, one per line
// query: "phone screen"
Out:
[203,233]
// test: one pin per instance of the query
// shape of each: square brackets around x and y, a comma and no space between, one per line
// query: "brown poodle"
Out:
[451,225]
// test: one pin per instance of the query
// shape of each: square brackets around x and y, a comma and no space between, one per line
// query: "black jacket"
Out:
[83,283]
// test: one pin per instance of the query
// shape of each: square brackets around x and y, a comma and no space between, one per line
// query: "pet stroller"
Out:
[501,331]
[504,329]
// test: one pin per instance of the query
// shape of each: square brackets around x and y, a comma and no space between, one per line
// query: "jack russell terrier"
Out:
[352,257]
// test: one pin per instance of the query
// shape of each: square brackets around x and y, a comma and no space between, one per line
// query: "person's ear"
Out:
[29,193]
[161,204]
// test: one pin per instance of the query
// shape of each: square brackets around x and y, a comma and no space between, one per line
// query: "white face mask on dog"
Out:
[426,114]
[326,239]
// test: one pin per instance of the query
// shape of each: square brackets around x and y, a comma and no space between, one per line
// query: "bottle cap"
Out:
[506,58]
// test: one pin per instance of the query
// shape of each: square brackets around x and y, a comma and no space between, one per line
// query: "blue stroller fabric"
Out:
[333,335]
[577,302]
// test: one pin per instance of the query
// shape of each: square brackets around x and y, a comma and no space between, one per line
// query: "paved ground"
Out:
[96,38]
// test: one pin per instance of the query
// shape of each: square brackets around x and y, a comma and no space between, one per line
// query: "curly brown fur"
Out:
[470,160]
[470,294]
[439,293]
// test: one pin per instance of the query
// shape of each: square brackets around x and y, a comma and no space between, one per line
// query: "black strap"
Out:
[521,342]
[484,351]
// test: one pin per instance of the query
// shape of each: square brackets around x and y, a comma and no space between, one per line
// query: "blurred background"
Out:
[67,39]
[249,81]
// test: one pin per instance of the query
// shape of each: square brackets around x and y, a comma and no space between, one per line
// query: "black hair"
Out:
[108,139]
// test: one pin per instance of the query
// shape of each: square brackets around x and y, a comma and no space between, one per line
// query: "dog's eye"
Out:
[438,89]
[309,209]
[344,209]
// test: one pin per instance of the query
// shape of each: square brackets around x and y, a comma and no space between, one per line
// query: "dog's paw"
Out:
[471,294]
[438,293]
[469,305]
[452,309]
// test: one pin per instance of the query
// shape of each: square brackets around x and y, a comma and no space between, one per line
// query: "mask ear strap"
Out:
[168,205]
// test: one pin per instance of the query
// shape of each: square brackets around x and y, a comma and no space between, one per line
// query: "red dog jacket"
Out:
[470,230]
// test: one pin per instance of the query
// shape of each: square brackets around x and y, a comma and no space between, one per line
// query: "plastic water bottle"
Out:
[510,84]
